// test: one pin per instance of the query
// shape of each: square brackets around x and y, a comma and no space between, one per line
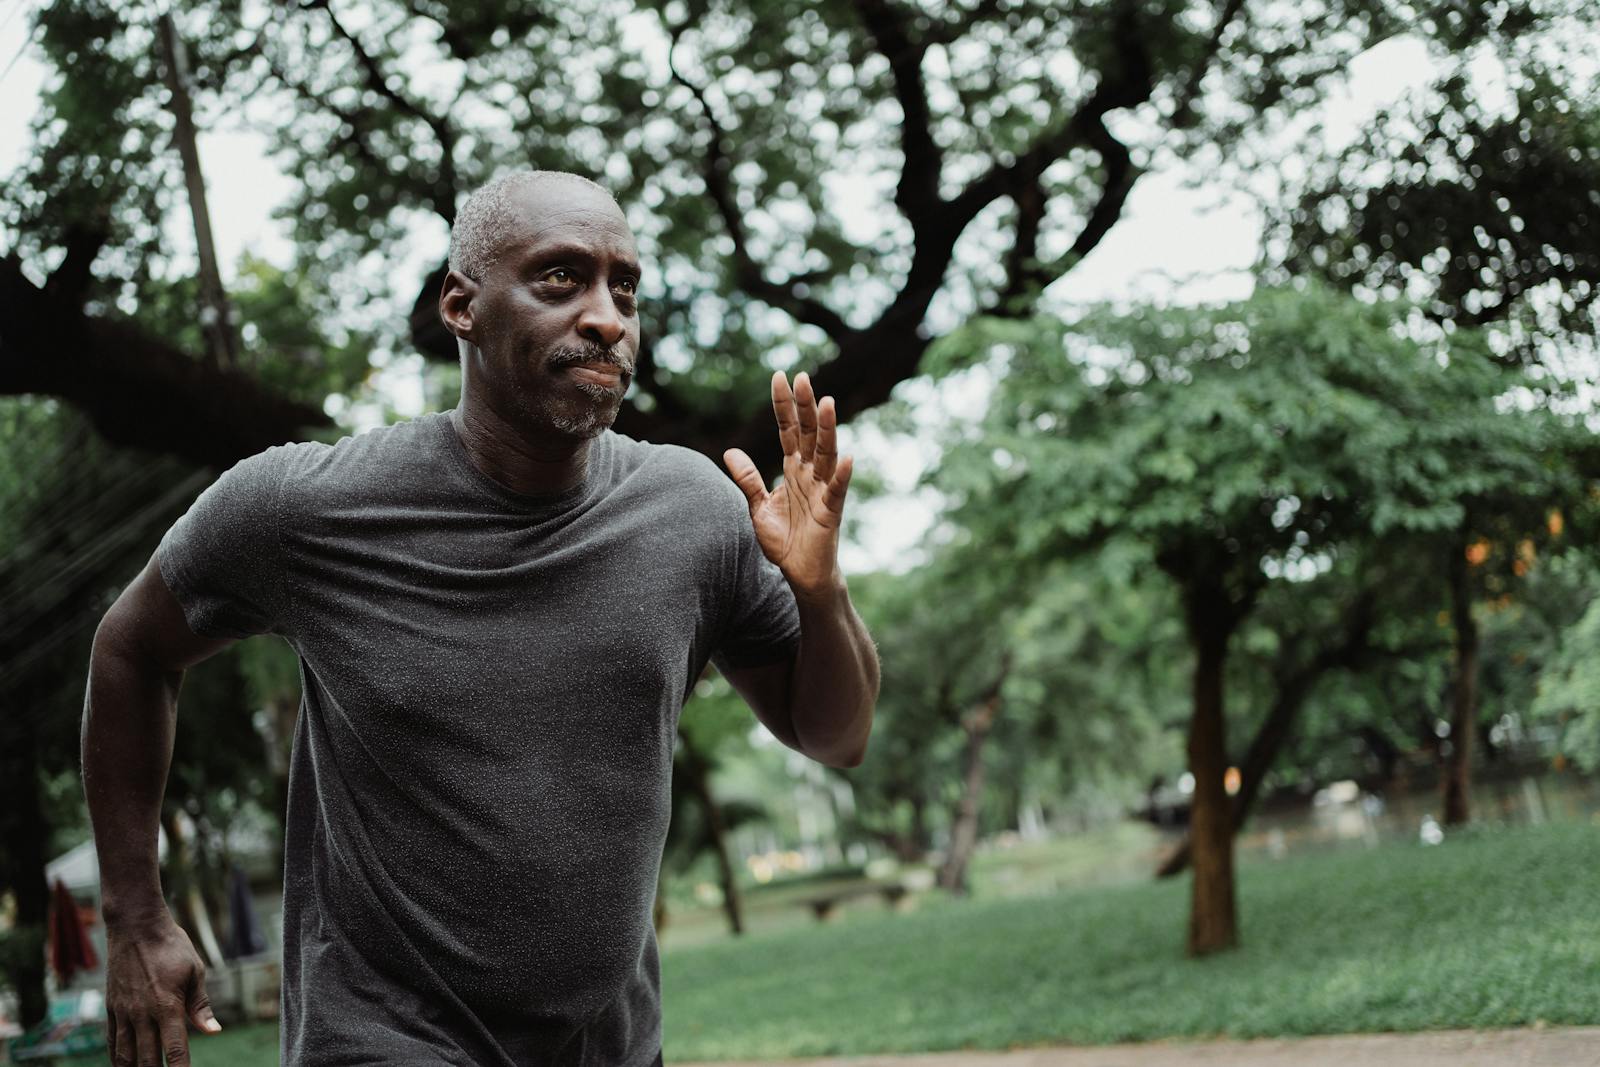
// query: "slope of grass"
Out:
[1494,928]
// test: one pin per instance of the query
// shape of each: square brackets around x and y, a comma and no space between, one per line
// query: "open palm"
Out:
[797,524]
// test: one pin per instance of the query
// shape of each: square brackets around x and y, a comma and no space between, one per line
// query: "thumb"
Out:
[199,1005]
[745,476]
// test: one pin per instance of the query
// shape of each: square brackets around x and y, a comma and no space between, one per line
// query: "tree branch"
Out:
[917,194]
[1183,112]
[1128,86]
[717,172]
[136,389]
[1026,275]
[443,194]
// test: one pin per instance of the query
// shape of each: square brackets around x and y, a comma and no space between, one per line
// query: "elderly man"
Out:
[499,612]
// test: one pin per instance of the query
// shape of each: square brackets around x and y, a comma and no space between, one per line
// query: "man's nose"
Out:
[599,319]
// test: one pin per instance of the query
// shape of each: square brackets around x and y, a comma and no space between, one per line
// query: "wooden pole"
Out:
[216,318]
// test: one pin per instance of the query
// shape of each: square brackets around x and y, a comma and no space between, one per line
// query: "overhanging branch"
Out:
[138,390]
[917,194]
[749,275]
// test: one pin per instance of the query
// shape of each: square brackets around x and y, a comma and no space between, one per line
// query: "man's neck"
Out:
[512,458]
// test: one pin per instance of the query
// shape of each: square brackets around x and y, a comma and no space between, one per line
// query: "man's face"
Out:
[556,319]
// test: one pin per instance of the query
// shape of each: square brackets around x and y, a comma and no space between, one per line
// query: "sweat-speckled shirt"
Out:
[479,788]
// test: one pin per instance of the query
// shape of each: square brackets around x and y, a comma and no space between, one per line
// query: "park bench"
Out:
[826,905]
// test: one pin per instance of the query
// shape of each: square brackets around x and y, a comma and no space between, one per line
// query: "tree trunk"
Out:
[1293,687]
[919,828]
[1213,914]
[23,861]
[1464,694]
[1264,749]
[700,781]
[964,826]
[216,317]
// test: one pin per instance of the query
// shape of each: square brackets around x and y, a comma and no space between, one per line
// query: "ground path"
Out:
[1537,1047]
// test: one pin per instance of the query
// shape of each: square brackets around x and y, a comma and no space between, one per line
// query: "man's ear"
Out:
[455,303]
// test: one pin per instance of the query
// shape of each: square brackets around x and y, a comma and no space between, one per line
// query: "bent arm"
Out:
[141,650]
[821,703]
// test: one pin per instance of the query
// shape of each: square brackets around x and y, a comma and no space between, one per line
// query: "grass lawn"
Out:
[1493,928]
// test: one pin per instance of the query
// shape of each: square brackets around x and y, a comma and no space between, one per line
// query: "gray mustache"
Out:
[567,356]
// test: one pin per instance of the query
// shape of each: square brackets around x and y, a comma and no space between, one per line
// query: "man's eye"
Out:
[628,287]
[561,276]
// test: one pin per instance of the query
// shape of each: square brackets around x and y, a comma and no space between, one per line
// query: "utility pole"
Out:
[216,317]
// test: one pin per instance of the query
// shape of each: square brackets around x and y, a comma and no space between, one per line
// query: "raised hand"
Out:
[797,524]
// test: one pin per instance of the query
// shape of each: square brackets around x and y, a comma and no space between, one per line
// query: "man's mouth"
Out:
[596,368]
[606,375]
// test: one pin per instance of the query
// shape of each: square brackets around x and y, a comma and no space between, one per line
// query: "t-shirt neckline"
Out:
[530,503]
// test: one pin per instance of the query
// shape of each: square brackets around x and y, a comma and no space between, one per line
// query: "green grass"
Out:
[237,1046]
[1494,928]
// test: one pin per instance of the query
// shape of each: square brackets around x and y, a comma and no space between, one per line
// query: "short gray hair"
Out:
[480,227]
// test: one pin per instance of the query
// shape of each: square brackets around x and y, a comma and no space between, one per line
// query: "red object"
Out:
[71,950]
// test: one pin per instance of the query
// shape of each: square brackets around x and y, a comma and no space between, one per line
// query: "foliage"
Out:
[1081,702]
[715,724]
[1482,210]
[1249,430]
[1569,689]
[836,183]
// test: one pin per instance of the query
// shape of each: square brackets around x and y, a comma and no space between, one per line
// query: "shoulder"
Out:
[360,462]
[693,478]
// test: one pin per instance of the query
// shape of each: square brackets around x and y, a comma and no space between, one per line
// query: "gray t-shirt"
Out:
[479,789]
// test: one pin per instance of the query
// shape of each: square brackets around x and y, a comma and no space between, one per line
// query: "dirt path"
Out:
[1556,1047]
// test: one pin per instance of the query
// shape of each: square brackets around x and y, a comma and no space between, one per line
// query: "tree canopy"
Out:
[832,185]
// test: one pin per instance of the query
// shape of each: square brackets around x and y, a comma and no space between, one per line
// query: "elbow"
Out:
[845,753]
[851,759]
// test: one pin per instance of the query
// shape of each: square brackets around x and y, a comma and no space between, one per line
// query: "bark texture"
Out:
[977,725]
[1213,912]
[695,767]
[1464,694]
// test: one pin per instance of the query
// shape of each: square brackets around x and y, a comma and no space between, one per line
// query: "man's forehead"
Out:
[567,213]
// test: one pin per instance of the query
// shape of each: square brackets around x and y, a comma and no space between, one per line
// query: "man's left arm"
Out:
[821,702]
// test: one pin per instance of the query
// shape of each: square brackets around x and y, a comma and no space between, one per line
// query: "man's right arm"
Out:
[155,979]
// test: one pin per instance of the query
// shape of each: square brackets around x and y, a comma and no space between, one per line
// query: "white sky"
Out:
[1179,239]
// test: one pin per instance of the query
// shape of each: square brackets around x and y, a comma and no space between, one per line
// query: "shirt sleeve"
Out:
[762,623]
[222,559]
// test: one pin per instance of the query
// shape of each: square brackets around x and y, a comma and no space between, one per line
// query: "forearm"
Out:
[129,719]
[835,680]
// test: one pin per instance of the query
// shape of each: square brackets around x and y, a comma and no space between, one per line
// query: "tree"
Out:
[1486,214]
[1237,445]
[732,130]
[714,726]
[1002,677]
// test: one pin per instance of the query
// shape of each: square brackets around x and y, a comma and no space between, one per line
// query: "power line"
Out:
[27,42]
[82,561]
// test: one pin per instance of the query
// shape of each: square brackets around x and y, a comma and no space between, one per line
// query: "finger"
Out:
[827,455]
[175,1040]
[788,419]
[806,407]
[112,1030]
[838,486]
[126,1048]
[745,476]
[199,1005]
[148,1052]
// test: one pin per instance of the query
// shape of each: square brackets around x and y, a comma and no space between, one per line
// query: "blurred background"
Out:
[1221,377]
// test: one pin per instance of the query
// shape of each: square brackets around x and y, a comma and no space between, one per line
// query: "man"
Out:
[499,612]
